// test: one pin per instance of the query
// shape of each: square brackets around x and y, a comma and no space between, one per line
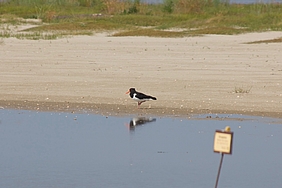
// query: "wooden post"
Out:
[218,173]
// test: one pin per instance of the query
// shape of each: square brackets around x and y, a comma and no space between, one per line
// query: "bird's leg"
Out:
[139,103]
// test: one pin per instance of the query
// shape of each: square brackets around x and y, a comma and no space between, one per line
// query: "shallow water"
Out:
[44,149]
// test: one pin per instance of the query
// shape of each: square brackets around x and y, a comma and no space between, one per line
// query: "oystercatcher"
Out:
[139,121]
[139,97]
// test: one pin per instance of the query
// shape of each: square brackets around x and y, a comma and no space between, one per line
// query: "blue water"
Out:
[45,149]
[254,1]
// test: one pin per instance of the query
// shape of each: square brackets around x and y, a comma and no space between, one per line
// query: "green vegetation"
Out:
[173,18]
[277,40]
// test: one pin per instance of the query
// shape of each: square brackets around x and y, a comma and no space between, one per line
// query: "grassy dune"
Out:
[173,18]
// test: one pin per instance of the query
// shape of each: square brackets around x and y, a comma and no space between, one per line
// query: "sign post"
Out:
[222,144]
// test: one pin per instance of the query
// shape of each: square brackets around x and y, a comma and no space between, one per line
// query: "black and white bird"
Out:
[139,97]
[140,121]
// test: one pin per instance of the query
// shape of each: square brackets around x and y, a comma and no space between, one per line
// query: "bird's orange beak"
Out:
[127,92]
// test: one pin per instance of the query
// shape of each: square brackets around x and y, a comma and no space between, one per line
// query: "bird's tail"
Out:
[154,98]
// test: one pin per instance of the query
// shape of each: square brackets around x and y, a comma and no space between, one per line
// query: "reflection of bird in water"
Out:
[139,97]
[140,121]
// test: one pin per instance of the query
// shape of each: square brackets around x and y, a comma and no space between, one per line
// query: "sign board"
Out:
[223,142]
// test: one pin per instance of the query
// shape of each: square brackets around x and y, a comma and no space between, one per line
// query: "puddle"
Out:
[44,149]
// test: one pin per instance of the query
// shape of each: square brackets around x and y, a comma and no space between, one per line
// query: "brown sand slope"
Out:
[187,75]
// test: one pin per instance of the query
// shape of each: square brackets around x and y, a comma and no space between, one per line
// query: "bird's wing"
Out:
[142,96]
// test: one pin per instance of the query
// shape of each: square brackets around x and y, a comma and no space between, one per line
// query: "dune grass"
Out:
[173,18]
[242,89]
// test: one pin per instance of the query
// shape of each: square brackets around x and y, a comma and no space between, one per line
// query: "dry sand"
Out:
[188,75]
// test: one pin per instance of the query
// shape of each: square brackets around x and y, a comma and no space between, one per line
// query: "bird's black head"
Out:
[131,91]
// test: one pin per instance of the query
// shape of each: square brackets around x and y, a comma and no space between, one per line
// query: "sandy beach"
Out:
[187,75]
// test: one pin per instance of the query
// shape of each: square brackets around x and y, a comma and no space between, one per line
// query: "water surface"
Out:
[44,149]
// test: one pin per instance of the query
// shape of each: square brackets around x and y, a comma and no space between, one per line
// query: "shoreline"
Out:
[125,110]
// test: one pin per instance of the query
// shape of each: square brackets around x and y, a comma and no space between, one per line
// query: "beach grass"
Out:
[242,89]
[172,18]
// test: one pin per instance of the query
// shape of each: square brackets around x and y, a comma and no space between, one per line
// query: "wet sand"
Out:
[187,75]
